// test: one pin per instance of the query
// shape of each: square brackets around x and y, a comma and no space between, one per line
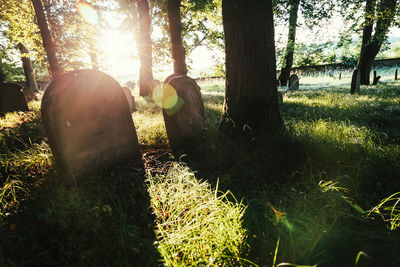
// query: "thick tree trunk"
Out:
[371,45]
[175,29]
[288,60]
[28,69]
[47,41]
[145,49]
[251,101]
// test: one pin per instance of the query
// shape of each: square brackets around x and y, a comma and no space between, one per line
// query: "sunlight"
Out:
[119,52]
[88,13]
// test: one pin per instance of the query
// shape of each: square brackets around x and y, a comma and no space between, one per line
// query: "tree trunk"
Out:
[371,45]
[288,60]
[47,41]
[28,69]
[175,29]
[145,49]
[251,101]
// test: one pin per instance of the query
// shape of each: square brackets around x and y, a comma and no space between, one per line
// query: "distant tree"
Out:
[251,102]
[313,12]
[379,15]
[175,30]
[28,68]
[48,44]
[19,28]
[145,49]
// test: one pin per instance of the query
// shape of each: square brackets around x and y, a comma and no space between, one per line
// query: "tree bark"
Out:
[28,69]
[145,49]
[251,101]
[288,60]
[175,29]
[385,11]
[48,44]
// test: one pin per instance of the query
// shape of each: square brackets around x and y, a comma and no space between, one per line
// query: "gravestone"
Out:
[293,82]
[340,76]
[12,98]
[395,75]
[183,111]
[355,82]
[130,98]
[376,79]
[87,121]
[29,94]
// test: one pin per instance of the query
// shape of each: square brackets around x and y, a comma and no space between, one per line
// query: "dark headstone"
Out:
[12,98]
[395,75]
[293,82]
[130,84]
[374,77]
[43,85]
[340,76]
[130,98]
[183,112]
[355,82]
[376,80]
[87,121]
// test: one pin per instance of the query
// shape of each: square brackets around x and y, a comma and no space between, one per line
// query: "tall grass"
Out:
[195,225]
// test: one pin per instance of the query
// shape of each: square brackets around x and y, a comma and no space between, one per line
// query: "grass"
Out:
[195,225]
[324,193]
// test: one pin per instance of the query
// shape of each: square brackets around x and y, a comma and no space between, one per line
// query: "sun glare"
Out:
[88,13]
[119,52]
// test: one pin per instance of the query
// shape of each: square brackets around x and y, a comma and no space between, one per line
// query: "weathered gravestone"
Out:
[293,82]
[183,111]
[29,94]
[130,98]
[375,79]
[355,82]
[12,98]
[87,121]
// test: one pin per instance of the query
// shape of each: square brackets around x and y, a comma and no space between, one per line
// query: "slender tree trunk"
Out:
[47,41]
[145,49]
[28,69]
[366,38]
[175,29]
[251,100]
[94,61]
[288,60]
[385,10]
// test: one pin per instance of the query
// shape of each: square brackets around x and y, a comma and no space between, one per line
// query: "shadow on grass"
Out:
[101,220]
[283,173]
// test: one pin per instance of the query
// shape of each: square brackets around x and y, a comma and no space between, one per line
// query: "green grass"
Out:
[326,189]
[195,224]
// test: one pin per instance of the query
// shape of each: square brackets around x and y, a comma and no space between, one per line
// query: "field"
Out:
[322,193]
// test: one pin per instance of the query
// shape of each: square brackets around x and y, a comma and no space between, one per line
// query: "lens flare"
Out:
[165,96]
[88,13]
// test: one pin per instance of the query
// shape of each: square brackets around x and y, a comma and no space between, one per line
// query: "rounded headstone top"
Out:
[86,117]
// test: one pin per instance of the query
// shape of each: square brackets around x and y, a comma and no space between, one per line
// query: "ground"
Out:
[305,197]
